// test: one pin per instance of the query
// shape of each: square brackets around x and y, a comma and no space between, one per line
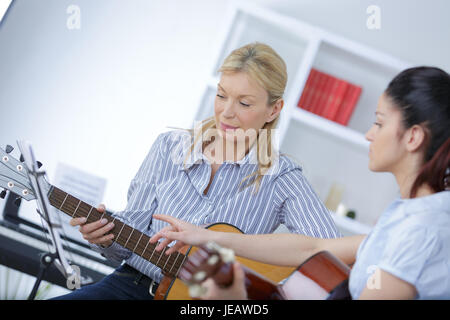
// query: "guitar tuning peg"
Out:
[39,164]
[21,158]
[9,149]
[18,201]
[3,194]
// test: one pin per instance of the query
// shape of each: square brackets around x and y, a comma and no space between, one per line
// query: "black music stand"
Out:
[57,257]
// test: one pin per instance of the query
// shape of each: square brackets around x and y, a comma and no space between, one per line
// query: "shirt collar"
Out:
[436,202]
[197,157]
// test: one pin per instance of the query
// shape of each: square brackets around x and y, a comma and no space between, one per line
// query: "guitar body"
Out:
[172,288]
[321,276]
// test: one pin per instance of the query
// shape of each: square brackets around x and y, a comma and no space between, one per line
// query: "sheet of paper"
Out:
[82,185]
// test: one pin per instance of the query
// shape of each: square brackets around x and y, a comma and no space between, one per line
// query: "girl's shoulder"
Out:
[431,211]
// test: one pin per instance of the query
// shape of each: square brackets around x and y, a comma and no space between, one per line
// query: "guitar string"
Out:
[69,206]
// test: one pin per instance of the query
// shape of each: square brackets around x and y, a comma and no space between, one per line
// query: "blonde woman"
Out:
[224,170]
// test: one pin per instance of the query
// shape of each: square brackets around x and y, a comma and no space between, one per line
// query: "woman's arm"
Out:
[279,249]
[383,285]
[287,249]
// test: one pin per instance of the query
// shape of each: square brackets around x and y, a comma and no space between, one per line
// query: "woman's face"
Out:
[241,103]
[387,147]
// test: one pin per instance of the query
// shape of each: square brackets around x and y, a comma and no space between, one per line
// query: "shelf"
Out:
[346,226]
[361,51]
[212,82]
[206,107]
[251,25]
[366,71]
[349,226]
[334,129]
[316,145]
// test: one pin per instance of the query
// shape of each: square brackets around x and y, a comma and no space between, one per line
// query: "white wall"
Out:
[97,97]
[417,31]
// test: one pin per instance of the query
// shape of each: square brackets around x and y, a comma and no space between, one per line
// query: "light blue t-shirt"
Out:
[411,241]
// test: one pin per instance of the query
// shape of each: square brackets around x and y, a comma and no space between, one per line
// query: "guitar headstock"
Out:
[14,176]
[207,262]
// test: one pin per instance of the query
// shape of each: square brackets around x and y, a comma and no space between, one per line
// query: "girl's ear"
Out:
[276,109]
[415,138]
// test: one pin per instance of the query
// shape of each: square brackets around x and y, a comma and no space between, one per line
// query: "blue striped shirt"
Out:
[164,184]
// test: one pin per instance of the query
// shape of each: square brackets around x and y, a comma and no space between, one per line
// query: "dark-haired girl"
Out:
[407,254]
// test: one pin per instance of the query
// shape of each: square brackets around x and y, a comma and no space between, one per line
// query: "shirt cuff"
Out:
[114,252]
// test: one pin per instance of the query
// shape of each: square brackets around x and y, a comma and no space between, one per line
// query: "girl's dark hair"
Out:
[423,96]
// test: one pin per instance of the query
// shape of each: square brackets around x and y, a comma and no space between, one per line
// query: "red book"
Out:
[325,94]
[335,98]
[311,90]
[306,90]
[348,104]
[318,89]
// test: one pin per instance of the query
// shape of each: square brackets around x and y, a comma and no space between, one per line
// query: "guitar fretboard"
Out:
[126,236]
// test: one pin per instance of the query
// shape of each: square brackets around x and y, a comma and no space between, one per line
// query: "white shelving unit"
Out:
[329,153]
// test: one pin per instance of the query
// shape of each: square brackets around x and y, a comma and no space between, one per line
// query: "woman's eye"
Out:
[377,124]
[220,96]
[244,104]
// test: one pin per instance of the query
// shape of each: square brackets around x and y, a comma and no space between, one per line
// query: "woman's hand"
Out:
[95,232]
[183,232]
[236,291]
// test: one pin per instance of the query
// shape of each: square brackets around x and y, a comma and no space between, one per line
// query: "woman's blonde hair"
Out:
[261,63]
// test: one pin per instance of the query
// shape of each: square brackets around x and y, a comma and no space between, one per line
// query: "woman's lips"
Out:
[227,127]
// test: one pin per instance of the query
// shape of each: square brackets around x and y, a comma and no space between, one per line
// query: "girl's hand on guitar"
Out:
[95,232]
[236,291]
[183,232]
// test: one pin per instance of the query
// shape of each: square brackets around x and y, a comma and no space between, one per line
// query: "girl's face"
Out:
[387,148]
[241,103]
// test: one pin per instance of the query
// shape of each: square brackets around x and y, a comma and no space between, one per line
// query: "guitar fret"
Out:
[118,235]
[168,258]
[179,269]
[149,259]
[162,252]
[79,202]
[138,242]
[125,245]
[175,262]
[60,208]
[143,252]
[89,213]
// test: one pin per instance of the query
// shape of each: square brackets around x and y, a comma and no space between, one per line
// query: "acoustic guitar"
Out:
[14,178]
[322,276]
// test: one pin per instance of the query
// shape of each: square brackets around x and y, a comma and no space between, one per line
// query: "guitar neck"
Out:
[125,235]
